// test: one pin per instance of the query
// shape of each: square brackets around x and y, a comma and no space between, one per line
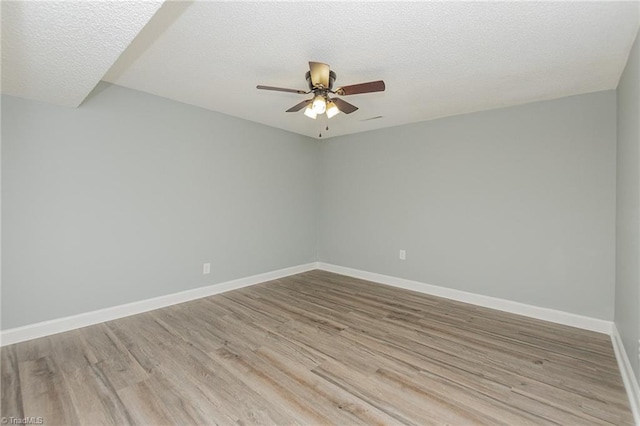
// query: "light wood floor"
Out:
[316,349]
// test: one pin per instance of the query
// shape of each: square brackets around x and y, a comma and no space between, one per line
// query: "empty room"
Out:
[320,213]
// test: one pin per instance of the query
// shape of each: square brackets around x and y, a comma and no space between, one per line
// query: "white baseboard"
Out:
[46,328]
[628,378]
[552,315]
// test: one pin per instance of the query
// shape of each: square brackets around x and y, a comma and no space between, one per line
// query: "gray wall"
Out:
[127,196]
[516,203]
[124,198]
[627,302]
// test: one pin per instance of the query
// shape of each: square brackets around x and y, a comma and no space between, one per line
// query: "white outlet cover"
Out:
[403,255]
[206,268]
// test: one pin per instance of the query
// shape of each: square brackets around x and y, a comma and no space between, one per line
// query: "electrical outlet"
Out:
[403,255]
[206,268]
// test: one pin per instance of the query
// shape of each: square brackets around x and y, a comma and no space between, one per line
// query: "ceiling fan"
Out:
[320,79]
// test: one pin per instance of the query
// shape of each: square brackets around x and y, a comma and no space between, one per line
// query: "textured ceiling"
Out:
[437,58]
[57,51]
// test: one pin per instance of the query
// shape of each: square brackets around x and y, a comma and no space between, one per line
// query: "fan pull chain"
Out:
[326,126]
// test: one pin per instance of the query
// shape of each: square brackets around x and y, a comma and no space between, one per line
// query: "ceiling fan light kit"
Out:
[320,79]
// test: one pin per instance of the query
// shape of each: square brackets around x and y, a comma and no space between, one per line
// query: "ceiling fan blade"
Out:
[299,106]
[354,89]
[280,89]
[344,106]
[319,73]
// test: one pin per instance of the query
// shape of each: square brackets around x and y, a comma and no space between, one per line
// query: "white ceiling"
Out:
[436,58]
[57,51]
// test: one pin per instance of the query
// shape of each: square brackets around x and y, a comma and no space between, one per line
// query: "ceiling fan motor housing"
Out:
[332,79]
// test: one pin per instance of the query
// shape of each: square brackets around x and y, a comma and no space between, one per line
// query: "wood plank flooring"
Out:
[317,349]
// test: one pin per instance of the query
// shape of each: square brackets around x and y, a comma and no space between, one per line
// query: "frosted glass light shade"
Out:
[309,112]
[332,109]
[319,104]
